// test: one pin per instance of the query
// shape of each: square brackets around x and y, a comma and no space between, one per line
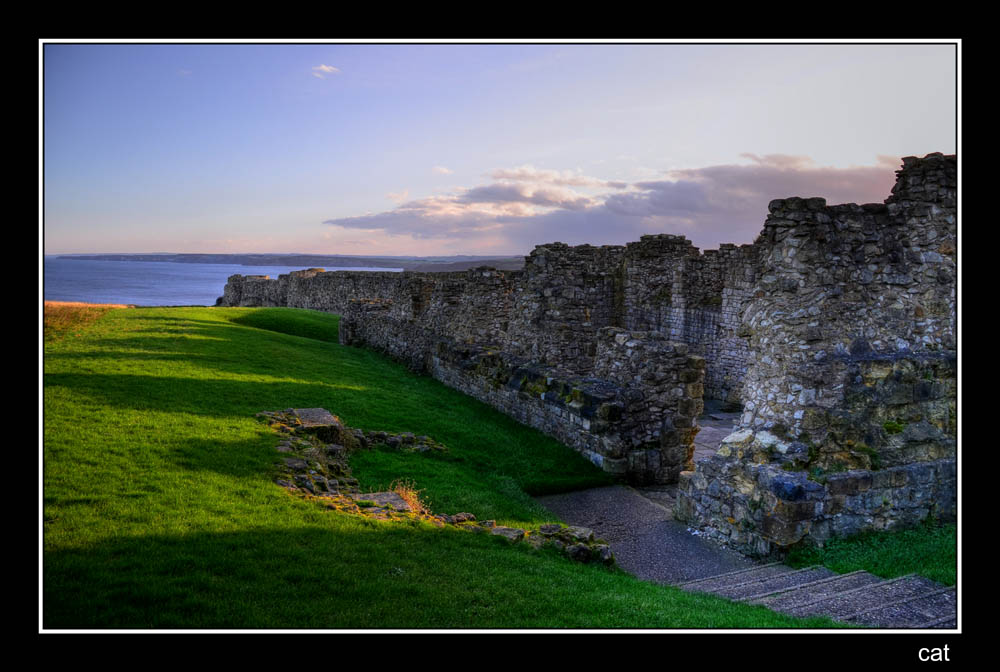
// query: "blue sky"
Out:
[468,149]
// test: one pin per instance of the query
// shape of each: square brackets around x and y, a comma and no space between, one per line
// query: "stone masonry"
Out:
[835,331]
[850,401]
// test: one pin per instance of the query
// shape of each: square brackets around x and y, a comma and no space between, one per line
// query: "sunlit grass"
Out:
[63,318]
[160,508]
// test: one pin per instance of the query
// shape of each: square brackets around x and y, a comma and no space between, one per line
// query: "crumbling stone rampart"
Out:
[835,331]
[634,417]
[852,333]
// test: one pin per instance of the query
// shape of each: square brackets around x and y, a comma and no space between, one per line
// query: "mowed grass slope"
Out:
[160,509]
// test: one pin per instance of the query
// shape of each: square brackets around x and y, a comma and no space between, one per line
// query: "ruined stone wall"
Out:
[663,388]
[254,290]
[636,417]
[835,330]
[852,332]
[847,283]
[473,305]
[696,299]
[551,312]
[566,294]
[312,288]
[332,291]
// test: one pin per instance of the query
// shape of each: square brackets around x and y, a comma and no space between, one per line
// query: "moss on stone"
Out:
[535,388]
[817,474]
[874,459]
[893,426]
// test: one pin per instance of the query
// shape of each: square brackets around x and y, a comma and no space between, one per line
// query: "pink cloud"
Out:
[710,205]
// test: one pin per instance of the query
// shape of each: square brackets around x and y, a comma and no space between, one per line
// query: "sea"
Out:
[148,283]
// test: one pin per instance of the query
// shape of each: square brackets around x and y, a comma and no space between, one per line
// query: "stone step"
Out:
[817,590]
[911,612]
[740,576]
[850,602]
[943,622]
[774,584]
[857,598]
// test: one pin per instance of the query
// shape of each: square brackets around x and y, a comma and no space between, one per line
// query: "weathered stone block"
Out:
[849,484]
[513,534]
[325,426]
[784,532]
[799,510]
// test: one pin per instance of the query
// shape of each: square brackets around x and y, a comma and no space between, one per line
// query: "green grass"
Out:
[160,509]
[308,323]
[66,319]
[929,550]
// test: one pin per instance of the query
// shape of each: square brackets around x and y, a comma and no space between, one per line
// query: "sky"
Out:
[481,149]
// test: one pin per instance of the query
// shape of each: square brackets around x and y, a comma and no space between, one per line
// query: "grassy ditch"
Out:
[160,510]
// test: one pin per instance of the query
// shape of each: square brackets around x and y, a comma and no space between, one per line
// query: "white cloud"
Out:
[398,197]
[441,170]
[519,193]
[321,71]
[568,178]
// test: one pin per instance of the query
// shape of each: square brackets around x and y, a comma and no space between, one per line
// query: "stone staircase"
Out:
[857,598]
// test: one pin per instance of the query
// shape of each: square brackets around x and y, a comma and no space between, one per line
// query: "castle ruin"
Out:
[835,332]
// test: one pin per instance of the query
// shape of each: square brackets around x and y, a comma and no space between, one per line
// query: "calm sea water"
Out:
[148,283]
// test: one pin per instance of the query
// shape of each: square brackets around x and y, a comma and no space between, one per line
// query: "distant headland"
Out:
[409,263]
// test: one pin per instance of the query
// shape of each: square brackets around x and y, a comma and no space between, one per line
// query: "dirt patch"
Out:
[81,304]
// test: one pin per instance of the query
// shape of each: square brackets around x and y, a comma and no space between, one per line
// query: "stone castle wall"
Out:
[850,403]
[550,318]
[552,311]
[695,299]
[835,331]
[635,417]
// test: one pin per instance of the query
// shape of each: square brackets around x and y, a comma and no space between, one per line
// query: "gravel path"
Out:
[645,539]
[639,525]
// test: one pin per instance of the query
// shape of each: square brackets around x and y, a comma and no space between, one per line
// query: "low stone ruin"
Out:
[317,447]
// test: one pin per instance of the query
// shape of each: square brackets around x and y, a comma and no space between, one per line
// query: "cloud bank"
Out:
[526,206]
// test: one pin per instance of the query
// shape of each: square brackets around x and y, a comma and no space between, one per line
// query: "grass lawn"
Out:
[930,551]
[160,510]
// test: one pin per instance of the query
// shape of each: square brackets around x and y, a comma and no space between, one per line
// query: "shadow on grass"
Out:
[220,346]
[239,459]
[356,574]
[362,576]
[133,355]
[206,397]
[306,323]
